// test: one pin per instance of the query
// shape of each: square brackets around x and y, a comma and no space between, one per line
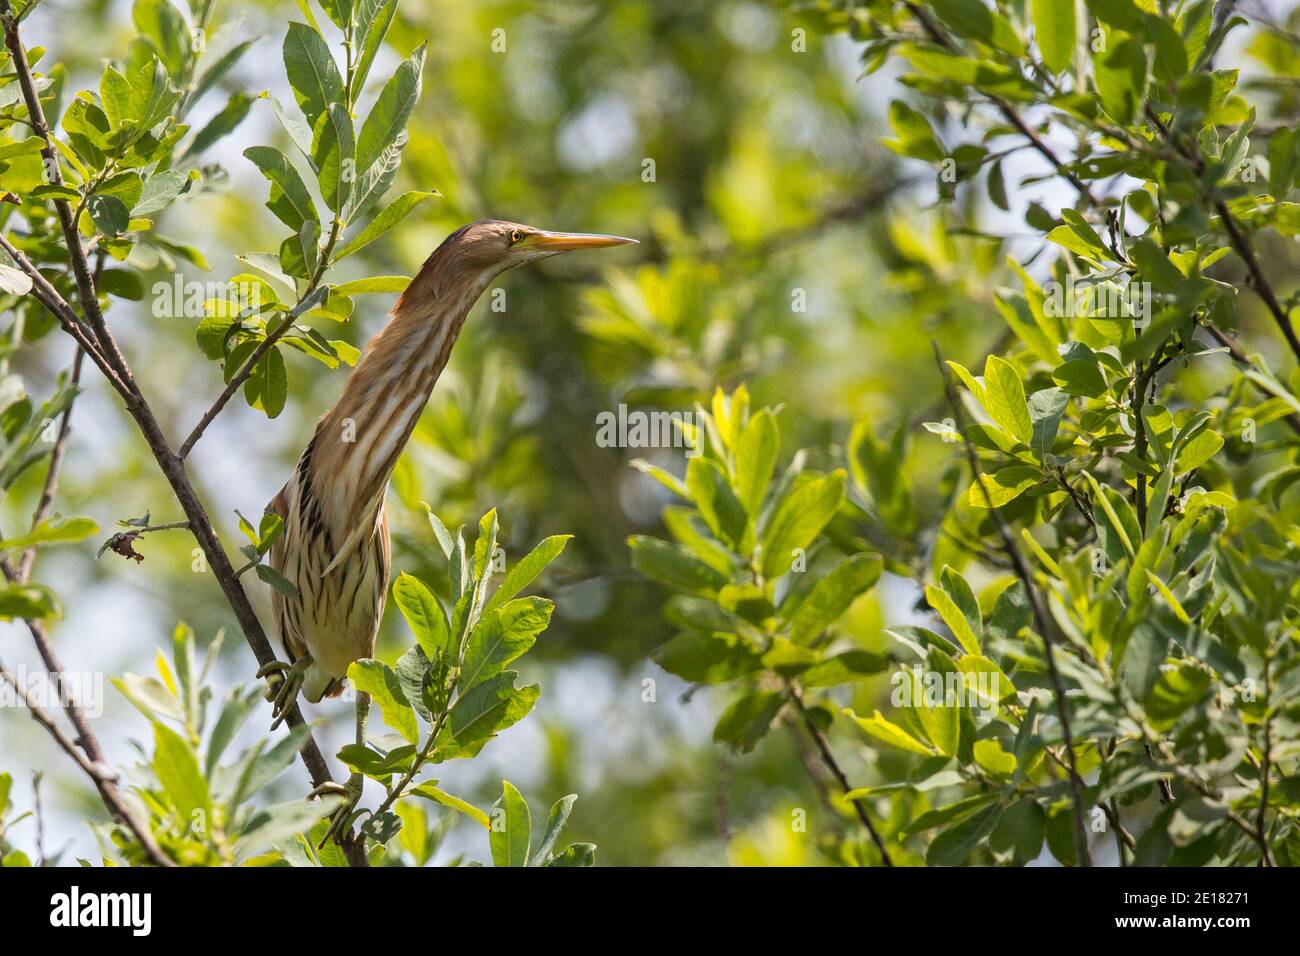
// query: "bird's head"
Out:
[494,245]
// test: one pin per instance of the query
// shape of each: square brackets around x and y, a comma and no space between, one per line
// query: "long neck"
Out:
[359,440]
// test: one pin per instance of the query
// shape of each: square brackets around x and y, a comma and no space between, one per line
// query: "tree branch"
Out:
[1008,112]
[102,778]
[111,361]
[1042,619]
[828,758]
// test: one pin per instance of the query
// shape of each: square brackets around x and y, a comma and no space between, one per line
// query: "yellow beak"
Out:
[572,241]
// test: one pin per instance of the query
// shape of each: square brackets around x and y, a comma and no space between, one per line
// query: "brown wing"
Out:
[279,505]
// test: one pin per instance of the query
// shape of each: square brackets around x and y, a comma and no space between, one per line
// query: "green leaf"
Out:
[844,668]
[1020,831]
[1176,690]
[333,149]
[1283,161]
[913,135]
[379,681]
[391,215]
[485,710]
[975,21]
[708,657]
[267,387]
[718,505]
[31,601]
[832,595]
[166,31]
[386,124]
[177,767]
[372,285]
[1197,451]
[160,191]
[576,854]
[1004,399]
[746,721]
[1121,77]
[115,95]
[431,792]
[880,728]
[952,847]
[424,615]
[1081,377]
[798,520]
[671,566]
[512,827]
[1054,29]
[109,214]
[276,580]
[373,18]
[502,636]
[239,706]
[289,200]
[527,569]
[53,531]
[340,12]
[312,72]
[555,822]
[1003,486]
[878,468]
[1046,407]
[756,455]
[283,821]
[14,281]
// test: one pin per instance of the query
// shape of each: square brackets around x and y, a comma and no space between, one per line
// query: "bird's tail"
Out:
[318,683]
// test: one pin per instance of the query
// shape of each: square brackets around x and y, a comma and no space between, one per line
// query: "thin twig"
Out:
[309,299]
[828,758]
[1266,766]
[1042,620]
[103,779]
[109,359]
[1008,112]
[46,502]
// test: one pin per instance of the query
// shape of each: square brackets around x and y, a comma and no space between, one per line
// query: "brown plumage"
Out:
[335,547]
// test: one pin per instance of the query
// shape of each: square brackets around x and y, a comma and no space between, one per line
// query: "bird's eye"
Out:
[515,236]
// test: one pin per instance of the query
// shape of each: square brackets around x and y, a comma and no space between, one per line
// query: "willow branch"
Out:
[1009,113]
[109,359]
[1042,618]
[102,778]
[828,758]
[72,238]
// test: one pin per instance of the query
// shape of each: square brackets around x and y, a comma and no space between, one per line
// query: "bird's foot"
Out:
[285,681]
[341,820]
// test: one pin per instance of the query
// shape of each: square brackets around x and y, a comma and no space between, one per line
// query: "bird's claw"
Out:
[285,681]
[341,819]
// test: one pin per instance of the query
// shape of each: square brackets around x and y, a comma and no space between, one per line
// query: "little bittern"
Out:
[334,547]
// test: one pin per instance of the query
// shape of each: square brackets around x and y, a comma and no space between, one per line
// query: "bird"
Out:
[334,545]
